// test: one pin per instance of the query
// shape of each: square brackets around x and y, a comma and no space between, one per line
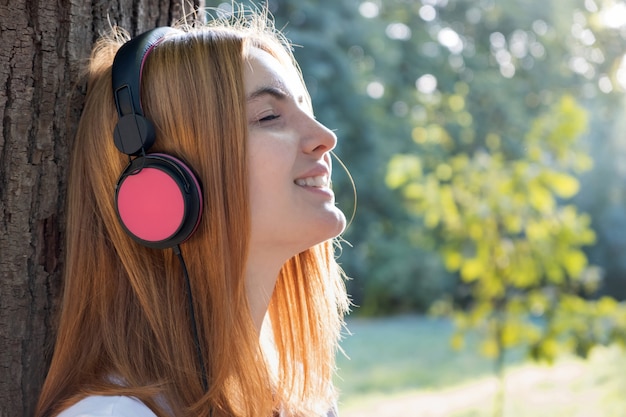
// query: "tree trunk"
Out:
[43,44]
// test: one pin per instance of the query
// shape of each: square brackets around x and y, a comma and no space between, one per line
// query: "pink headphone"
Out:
[158,198]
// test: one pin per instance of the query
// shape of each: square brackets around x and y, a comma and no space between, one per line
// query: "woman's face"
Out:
[291,203]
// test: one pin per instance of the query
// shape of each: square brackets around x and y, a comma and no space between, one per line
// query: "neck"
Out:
[261,274]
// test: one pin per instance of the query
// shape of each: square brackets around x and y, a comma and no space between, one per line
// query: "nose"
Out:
[318,139]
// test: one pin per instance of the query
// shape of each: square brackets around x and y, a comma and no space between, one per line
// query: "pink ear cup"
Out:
[195,185]
[151,205]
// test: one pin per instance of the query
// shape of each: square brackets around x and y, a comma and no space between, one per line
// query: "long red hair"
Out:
[124,327]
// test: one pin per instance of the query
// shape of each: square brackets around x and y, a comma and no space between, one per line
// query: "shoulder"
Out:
[108,406]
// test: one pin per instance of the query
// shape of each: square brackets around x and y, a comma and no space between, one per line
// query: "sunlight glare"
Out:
[398,31]
[620,74]
[451,40]
[369,9]
[426,84]
[428,13]
[591,6]
[614,16]
[605,85]
[375,89]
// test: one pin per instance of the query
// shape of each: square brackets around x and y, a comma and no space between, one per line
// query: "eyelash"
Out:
[269,118]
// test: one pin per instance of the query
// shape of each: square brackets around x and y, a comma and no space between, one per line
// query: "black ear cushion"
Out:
[158,201]
[133,133]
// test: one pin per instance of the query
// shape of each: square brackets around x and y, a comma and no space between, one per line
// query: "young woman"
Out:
[200,275]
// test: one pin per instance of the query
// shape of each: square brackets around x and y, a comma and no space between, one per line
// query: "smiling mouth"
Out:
[320,181]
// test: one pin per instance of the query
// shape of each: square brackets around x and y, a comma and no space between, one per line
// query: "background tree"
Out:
[508,125]
[403,76]
[43,46]
[516,247]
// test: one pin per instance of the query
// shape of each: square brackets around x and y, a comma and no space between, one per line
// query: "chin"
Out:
[330,229]
[341,225]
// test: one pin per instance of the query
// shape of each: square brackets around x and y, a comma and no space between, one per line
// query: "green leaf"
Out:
[574,262]
[452,260]
[403,168]
[489,348]
[471,269]
[564,185]
[540,198]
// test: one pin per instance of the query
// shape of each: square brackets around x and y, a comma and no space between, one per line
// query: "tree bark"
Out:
[43,45]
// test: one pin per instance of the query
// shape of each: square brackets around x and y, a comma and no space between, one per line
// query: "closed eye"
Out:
[269,118]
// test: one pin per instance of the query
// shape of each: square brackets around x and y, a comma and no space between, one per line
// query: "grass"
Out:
[405,367]
[404,353]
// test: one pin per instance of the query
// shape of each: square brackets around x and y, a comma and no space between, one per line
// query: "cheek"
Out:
[269,170]
[269,157]
[259,165]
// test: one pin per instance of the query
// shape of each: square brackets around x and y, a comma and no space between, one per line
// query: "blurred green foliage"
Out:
[485,138]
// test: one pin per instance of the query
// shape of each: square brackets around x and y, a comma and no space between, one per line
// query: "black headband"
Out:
[133,134]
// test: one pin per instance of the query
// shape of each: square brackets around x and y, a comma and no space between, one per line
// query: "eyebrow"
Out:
[277,92]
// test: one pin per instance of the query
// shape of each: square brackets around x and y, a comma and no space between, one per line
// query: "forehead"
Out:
[263,70]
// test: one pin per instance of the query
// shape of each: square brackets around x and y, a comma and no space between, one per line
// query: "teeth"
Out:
[320,181]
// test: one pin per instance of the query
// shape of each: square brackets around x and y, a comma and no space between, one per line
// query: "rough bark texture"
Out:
[43,44]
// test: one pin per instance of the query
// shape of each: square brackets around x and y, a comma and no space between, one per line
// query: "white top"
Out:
[117,406]
[108,406]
